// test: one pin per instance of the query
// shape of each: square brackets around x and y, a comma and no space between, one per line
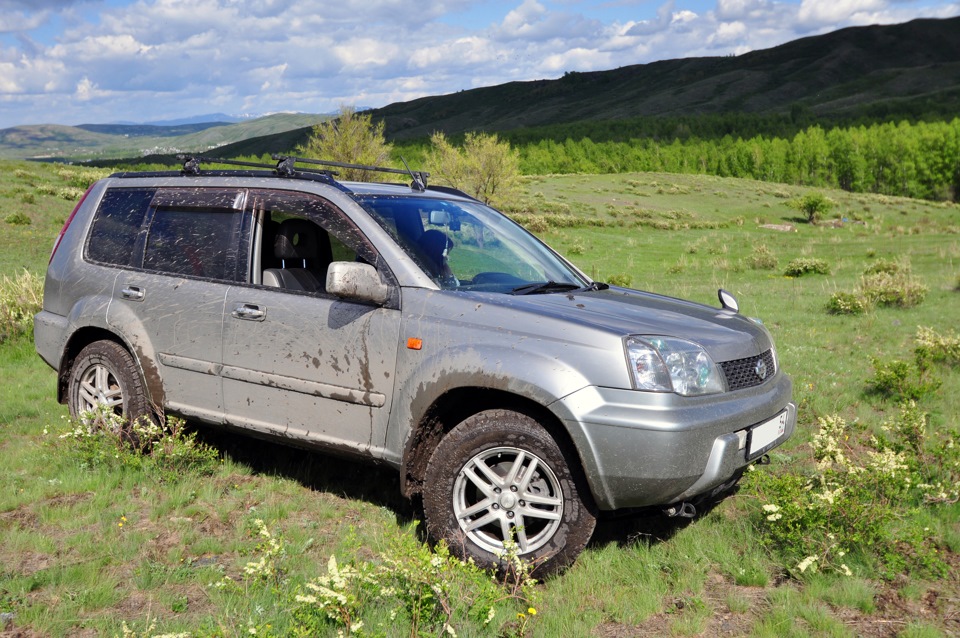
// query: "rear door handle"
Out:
[249,312]
[133,293]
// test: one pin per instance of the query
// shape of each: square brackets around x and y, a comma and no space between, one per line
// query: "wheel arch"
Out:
[83,338]
[457,404]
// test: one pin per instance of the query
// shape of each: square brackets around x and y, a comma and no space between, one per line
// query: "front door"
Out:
[298,362]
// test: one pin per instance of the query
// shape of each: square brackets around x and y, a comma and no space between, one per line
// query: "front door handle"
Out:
[249,312]
[133,293]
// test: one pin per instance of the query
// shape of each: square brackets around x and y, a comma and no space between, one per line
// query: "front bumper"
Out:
[642,448]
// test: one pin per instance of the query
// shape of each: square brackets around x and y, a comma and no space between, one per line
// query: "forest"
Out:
[910,159]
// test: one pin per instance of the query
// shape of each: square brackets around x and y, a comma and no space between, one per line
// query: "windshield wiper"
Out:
[595,285]
[542,287]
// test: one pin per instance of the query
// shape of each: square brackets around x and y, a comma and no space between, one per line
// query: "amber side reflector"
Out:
[414,344]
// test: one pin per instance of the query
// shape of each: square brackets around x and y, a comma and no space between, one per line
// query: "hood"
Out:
[620,311]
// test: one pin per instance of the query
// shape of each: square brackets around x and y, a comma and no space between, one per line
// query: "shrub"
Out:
[762,258]
[620,279]
[898,289]
[806,265]
[161,447]
[70,193]
[888,266]
[814,206]
[857,498]
[938,348]
[901,380]
[351,138]
[20,299]
[847,303]
[431,592]
[486,167]
[18,218]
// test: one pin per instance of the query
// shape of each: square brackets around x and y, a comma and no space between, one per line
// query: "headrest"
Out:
[434,243]
[296,239]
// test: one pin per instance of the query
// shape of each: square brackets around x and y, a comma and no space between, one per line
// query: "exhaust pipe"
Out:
[685,509]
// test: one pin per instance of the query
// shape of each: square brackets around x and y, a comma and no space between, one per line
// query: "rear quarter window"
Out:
[116,227]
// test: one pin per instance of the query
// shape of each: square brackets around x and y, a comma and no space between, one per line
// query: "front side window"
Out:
[469,246]
[301,235]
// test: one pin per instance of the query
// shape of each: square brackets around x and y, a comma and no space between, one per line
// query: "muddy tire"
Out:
[497,476]
[104,373]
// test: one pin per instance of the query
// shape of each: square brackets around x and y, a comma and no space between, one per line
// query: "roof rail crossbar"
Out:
[191,163]
[419,177]
[284,167]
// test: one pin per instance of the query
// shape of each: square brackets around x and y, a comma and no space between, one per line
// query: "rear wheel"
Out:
[499,476]
[105,374]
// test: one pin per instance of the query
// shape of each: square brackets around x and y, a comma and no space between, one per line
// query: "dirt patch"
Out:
[783,228]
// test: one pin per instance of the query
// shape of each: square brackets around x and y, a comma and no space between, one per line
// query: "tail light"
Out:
[66,224]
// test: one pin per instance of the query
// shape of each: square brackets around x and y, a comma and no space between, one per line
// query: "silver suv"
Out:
[413,326]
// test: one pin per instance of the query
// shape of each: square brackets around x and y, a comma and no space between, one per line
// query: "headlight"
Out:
[665,364]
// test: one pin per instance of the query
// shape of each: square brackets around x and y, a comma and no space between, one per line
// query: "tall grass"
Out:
[21,297]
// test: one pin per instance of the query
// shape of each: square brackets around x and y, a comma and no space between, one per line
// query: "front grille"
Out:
[743,373]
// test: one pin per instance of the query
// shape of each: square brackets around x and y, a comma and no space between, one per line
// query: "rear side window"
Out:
[198,243]
[197,232]
[116,228]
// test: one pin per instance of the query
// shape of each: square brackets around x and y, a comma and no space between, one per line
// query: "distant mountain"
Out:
[150,130]
[907,68]
[209,118]
[110,141]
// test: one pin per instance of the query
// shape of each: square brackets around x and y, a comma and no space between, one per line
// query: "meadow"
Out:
[852,530]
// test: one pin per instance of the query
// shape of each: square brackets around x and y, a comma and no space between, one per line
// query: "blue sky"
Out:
[99,61]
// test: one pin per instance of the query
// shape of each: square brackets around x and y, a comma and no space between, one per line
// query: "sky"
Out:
[104,61]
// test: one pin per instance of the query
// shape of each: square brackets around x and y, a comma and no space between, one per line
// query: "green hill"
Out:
[910,69]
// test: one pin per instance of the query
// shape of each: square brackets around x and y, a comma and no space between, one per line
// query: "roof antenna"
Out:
[419,179]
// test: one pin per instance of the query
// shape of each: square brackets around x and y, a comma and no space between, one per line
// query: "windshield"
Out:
[469,246]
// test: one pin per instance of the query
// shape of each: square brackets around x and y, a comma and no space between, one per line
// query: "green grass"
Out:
[68,566]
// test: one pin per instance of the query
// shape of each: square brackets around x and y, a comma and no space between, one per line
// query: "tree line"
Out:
[920,159]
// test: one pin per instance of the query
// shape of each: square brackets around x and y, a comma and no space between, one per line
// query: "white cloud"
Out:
[729,32]
[576,60]
[830,12]
[86,90]
[649,27]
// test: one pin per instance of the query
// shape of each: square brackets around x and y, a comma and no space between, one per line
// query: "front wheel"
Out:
[497,477]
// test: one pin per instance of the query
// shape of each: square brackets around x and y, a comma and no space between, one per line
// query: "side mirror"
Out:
[728,301]
[360,282]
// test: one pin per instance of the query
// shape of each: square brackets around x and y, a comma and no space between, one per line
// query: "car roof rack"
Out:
[419,177]
[286,167]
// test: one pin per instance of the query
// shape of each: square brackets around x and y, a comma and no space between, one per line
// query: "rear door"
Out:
[170,305]
[302,363]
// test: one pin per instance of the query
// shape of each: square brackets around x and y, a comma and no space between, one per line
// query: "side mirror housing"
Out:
[357,281]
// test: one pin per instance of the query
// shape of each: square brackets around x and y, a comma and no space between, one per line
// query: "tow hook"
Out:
[763,460]
[680,510]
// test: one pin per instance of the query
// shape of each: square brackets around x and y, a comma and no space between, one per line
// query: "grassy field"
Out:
[106,544]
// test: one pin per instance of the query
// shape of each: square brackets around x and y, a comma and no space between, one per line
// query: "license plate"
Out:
[766,434]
